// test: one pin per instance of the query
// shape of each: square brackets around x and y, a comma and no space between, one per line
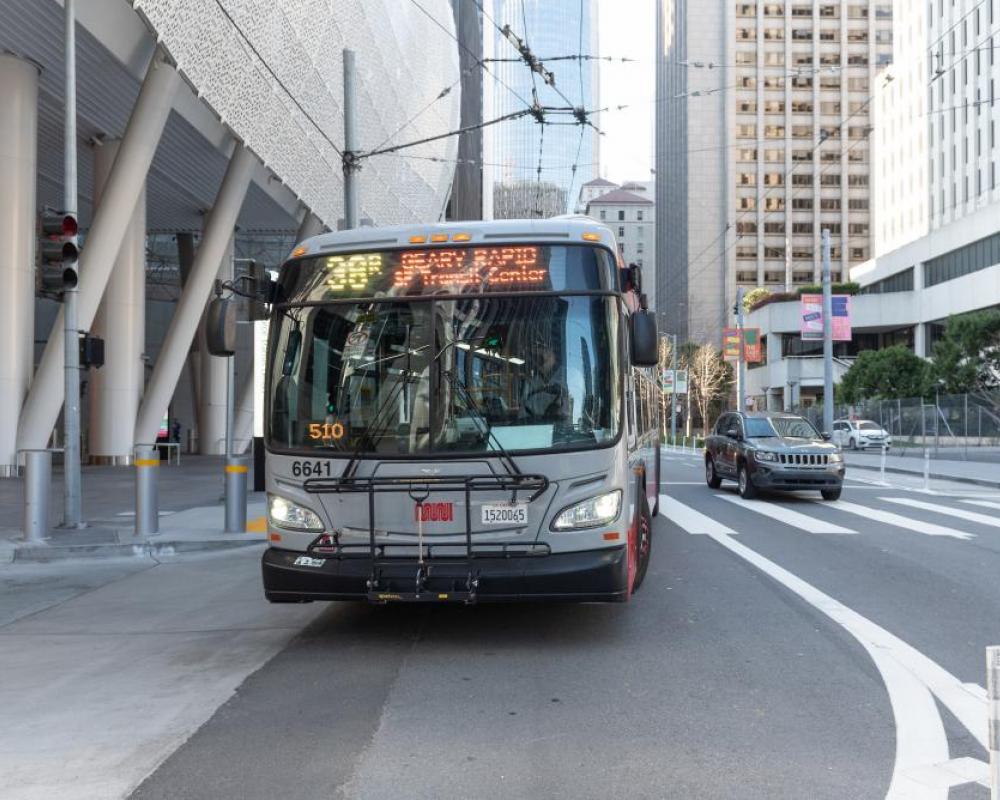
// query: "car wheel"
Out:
[831,494]
[852,444]
[711,476]
[644,541]
[745,480]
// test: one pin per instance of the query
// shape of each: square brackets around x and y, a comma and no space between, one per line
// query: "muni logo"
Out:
[433,512]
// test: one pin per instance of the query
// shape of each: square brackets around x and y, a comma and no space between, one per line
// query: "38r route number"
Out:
[311,469]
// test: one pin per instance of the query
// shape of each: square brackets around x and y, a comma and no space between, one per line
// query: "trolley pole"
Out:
[350,141]
[72,511]
[827,337]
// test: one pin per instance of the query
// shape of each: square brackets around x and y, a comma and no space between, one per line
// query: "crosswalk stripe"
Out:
[786,515]
[907,523]
[960,513]
[984,503]
[690,520]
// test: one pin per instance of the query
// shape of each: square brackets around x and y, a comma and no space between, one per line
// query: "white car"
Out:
[858,434]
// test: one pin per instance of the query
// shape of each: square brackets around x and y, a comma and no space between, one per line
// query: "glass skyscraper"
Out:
[513,150]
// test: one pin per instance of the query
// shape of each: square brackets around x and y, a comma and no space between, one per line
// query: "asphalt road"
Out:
[787,648]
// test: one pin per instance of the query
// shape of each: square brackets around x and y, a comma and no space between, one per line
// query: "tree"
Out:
[967,357]
[894,372]
[709,379]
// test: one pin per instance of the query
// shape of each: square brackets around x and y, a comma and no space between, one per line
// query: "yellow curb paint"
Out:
[147,462]
[258,525]
[238,468]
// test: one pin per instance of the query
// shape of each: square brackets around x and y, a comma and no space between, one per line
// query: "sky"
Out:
[627,28]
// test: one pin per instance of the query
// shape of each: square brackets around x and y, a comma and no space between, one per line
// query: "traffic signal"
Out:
[59,251]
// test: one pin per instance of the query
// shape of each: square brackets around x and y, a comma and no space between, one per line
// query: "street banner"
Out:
[753,352]
[811,317]
[670,386]
[731,344]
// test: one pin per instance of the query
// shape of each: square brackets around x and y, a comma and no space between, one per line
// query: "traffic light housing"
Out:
[59,250]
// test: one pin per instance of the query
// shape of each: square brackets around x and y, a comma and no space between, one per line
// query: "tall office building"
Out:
[762,135]
[513,150]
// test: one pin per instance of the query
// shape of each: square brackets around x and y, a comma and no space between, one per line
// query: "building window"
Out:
[603,213]
[638,216]
[639,247]
[621,231]
[621,215]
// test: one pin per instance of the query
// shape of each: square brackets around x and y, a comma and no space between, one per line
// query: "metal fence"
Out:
[965,426]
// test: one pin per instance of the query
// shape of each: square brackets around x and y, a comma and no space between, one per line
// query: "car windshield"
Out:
[758,427]
[464,375]
[869,426]
[794,428]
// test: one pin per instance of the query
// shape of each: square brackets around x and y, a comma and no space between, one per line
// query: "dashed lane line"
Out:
[906,523]
[960,513]
[984,503]
[690,520]
[786,515]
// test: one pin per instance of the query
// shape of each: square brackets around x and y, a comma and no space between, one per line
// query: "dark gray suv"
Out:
[772,451]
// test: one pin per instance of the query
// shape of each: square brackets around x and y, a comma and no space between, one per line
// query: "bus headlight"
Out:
[591,513]
[290,516]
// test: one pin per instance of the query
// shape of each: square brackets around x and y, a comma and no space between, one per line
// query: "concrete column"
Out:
[115,389]
[182,328]
[311,226]
[212,385]
[18,151]
[920,339]
[243,426]
[104,240]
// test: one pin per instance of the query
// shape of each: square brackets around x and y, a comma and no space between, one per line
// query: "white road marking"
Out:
[922,768]
[971,516]
[907,523]
[690,520]
[984,503]
[786,515]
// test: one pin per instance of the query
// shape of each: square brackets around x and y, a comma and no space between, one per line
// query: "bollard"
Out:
[237,468]
[881,466]
[927,470]
[993,713]
[147,498]
[37,482]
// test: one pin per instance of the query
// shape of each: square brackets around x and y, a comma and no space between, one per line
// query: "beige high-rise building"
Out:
[762,140]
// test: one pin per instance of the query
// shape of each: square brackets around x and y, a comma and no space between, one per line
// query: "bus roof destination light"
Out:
[589,236]
[462,237]
[439,237]
[418,239]
[301,250]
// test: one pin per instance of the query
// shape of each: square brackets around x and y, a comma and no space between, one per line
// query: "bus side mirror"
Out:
[220,327]
[643,340]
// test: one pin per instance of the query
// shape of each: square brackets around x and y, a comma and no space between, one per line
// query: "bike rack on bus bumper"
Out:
[330,546]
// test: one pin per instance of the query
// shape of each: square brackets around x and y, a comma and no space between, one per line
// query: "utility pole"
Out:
[741,375]
[350,141]
[827,337]
[72,514]
[673,393]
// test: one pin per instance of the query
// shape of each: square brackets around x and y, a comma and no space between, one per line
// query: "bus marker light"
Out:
[439,237]
[611,537]
[442,597]
[591,237]
[274,537]
[461,237]
[418,239]
[301,250]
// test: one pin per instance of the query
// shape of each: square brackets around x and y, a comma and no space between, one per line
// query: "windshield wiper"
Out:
[472,405]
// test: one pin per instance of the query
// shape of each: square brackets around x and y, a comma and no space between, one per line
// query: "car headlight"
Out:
[284,513]
[591,513]
[765,455]
[836,458]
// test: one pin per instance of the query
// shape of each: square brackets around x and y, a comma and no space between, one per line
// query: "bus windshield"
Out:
[473,374]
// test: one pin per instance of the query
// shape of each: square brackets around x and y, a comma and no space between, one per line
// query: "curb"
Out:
[933,476]
[46,553]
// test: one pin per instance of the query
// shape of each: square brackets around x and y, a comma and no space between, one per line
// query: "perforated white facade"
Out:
[272,71]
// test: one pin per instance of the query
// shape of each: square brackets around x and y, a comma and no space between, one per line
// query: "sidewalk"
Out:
[981,473]
[192,516]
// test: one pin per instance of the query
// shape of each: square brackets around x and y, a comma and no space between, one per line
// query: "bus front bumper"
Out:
[591,576]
